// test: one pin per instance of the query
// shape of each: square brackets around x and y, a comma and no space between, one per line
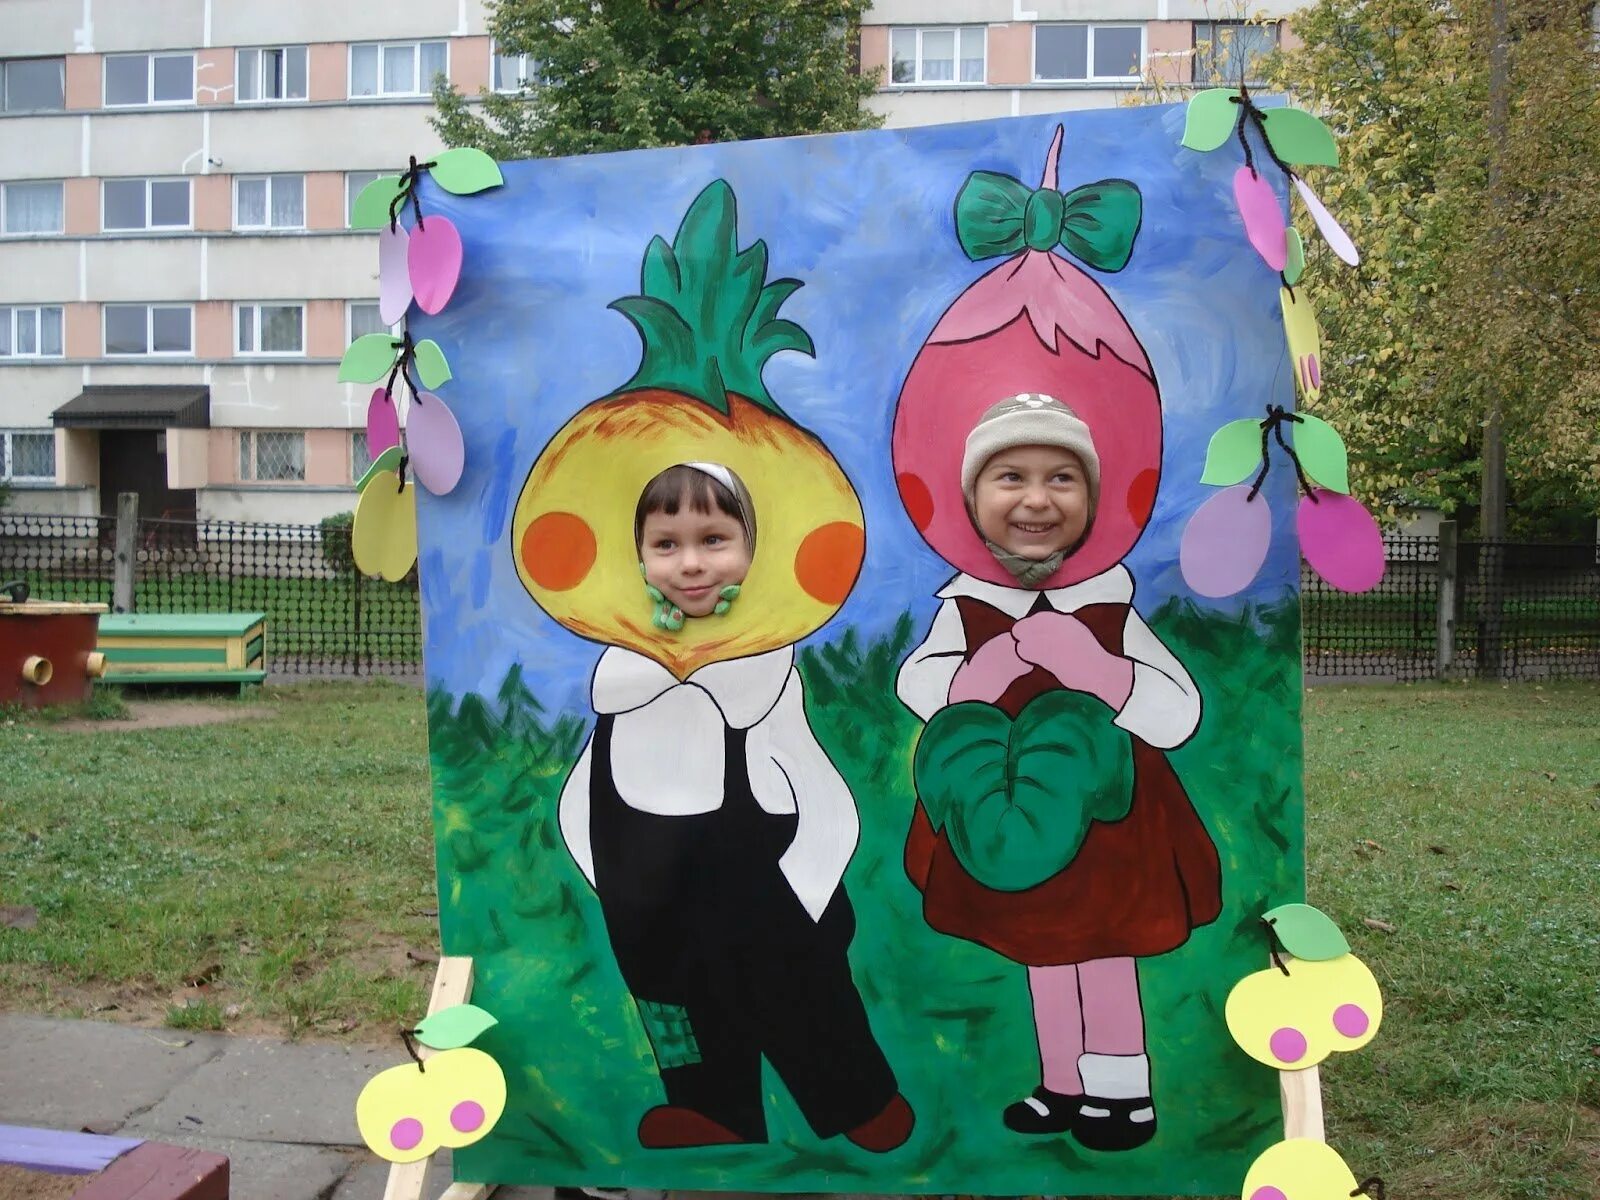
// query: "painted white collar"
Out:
[744,689]
[1112,586]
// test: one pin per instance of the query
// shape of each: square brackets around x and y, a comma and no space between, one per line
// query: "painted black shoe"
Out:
[1100,1124]
[1043,1112]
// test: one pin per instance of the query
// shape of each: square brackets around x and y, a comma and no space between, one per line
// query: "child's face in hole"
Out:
[1032,500]
[691,556]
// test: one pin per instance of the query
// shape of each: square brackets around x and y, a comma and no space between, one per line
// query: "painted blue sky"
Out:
[865,220]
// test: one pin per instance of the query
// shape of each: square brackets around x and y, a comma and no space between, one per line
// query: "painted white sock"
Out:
[1115,1076]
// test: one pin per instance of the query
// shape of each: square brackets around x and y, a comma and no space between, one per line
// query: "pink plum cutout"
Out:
[406,1134]
[383,425]
[394,276]
[1332,232]
[1350,1020]
[1264,223]
[1287,1045]
[434,256]
[1225,542]
[467,1116]
[1340,540]
[433,440]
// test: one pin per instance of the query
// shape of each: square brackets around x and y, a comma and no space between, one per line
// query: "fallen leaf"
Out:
[232,1011]
[101,1128]
[1439,849]
[18,916]
[1380,926]
[1550,775]
[427,912]
[1450,886]
[1370,844]
[205,975]
[422,956]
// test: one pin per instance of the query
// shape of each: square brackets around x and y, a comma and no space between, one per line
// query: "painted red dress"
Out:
[1138,886]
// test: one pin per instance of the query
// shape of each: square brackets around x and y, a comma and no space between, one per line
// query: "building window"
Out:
[31,208]
[30,332]
[133,79]
[28,455]
[1087,52]
[954,54]
[269,202]
[354,181]
[397,68]
[270,329]
[1230,51]
[271,73]
[515,72]
[362,318]
[271,455]
[360,459]
[149,329]
[145,204]
[33,84]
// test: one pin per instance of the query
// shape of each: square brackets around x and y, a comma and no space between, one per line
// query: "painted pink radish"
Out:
[434,256]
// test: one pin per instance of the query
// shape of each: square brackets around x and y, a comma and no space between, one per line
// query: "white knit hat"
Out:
[1028,419]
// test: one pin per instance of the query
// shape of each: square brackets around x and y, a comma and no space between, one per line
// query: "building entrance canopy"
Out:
[137,406]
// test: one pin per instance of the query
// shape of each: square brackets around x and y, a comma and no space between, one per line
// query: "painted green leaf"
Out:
[1322,453]
[389,460]
[1234,453]
[1299,138]
[371,209]
[368,358]
[465,170]
[458,1025]
[1296,266]
[1306,932]
[1210,118]
[432,368]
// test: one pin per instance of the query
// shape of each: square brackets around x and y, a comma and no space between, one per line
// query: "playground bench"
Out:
[184,647]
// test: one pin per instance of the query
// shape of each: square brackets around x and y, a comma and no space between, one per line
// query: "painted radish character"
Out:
[1049,825]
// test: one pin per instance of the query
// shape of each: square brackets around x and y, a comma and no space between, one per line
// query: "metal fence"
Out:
[1445,608]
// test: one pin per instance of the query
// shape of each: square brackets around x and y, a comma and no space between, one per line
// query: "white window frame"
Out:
[956,81]
[8,315]
[258,51]
[149,100]
[10,456]
[247,437]
[147,227]
[8,184]
[5,66]
[255,307]
[358,437]
[149,307]
[349,325]
[1195,39]
[528,65]
[268,180]
[1129,80]
[423,89]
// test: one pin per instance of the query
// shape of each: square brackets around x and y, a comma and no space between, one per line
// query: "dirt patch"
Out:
[167,714]
[19,1183]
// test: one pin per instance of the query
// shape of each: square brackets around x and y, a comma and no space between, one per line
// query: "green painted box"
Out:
[184,647]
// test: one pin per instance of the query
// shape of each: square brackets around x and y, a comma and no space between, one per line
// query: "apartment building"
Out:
[178,277]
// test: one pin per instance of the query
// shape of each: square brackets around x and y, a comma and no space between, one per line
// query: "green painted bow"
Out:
[998,215]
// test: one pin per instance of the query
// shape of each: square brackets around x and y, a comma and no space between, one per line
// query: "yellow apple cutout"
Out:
[1295,1020]
[383,535]
[1299,1169]
[407,1112]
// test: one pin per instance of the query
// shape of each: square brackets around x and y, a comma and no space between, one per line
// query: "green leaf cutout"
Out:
[1234,453]
[432,368]
[1322,453]
[458,1025]
[465,170]
[368,358]
[371,209]
[1210,119]
[1299,138]
[1296,266]
[1307,933]
[389,460]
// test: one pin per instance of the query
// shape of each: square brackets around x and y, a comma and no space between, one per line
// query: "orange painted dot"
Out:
[1142,495]
[828,560]
[557,550]
[915,496]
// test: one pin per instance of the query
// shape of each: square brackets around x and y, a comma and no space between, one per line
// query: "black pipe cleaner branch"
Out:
[1273,945]
[1272,427]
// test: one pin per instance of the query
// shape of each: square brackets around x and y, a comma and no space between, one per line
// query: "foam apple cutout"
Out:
[1300,1169]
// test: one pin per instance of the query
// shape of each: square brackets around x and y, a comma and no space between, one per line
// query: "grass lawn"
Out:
[273,872]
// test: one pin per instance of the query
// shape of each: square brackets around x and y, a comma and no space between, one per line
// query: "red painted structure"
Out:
[47,652]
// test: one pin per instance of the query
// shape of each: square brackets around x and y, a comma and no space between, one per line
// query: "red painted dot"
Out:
[467,1116]
[406,1133]
[1142,495]
[918,500]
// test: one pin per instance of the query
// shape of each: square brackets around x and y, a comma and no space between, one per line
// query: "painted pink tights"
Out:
[1084,1008]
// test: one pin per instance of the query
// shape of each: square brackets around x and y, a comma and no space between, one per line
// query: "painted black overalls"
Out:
[725,963]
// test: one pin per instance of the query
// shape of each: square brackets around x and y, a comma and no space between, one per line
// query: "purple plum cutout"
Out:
[394,276]
[1264,221]
[1340,540]
[1225,542]
[383,424]
[435,259]
[433,440]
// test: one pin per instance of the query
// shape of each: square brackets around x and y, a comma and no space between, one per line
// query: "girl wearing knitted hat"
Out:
[1049,825]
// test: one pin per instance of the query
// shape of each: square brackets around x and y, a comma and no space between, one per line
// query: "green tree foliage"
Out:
[1479,288]
[624,74]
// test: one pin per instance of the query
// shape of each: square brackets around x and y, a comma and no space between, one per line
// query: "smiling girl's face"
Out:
[690,556]
[1032,500]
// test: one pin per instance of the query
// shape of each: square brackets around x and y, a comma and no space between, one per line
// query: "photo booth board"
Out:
[770,895]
